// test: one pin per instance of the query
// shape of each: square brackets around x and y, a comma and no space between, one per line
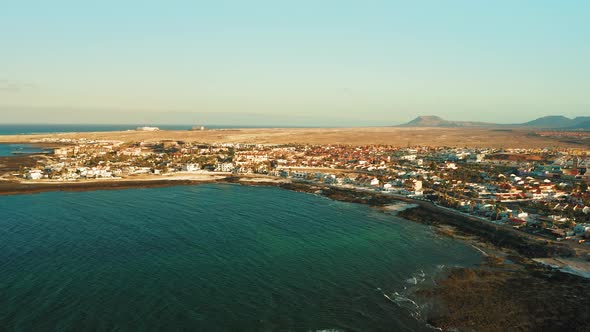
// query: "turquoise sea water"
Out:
[15,149]
[212,258]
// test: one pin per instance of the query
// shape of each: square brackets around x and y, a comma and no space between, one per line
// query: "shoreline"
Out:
[421,211]
[12,187]
[516,270]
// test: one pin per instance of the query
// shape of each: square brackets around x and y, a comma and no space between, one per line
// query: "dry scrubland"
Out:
[474,137]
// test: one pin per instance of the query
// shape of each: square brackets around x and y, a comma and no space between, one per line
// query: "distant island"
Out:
[546,122]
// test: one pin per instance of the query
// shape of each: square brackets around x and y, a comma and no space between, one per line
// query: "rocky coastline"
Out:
[509,291]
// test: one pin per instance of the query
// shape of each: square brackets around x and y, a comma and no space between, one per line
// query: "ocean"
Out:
[215,257]
[16,149]
[18,129]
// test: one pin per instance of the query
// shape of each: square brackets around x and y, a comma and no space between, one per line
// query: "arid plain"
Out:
[456,137]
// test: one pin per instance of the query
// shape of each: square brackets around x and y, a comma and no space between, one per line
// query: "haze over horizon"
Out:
[338,63]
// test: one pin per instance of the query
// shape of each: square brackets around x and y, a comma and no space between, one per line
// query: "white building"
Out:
[299,175]
[148,128]
[476,157]
[417,185]
[225,167]
[409,157]
[62,152]
[190,167]
[451,165]
[34,174]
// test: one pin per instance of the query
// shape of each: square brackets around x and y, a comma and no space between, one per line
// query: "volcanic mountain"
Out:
[435,121]
[548,122]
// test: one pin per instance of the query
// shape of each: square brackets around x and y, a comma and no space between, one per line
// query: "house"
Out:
[417,185]
[224,167]
[410,157]
[191,167]
[476,157]
[62,152]
[34,174]
[516,221]
[330,178]
[147,129]
[375,182]
[299,175]
[451,166]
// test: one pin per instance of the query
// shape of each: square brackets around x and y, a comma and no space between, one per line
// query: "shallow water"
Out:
[212,257]
[16,149]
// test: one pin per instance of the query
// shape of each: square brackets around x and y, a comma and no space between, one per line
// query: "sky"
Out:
[299,63]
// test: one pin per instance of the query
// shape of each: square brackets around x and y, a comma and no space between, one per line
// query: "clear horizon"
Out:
[229,124]
[262,63]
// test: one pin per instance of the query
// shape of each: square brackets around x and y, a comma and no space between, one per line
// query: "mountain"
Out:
[581,125]
[560,122]
[546,122]
[552,121]
[436,121]
[581,122]
[427,121]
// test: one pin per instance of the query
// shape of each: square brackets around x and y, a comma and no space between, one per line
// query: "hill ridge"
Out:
[548,122]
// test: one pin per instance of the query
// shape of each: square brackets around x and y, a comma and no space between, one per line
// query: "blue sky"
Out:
[300,62]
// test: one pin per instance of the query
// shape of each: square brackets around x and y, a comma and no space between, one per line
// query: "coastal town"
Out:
[539,191]
[322,166]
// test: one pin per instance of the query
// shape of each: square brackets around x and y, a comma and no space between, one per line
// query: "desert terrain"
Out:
[455,137]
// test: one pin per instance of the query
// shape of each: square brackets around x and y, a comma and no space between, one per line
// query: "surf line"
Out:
[482,252]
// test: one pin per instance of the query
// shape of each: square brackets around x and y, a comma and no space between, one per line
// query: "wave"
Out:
[417,278]
[405,299]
